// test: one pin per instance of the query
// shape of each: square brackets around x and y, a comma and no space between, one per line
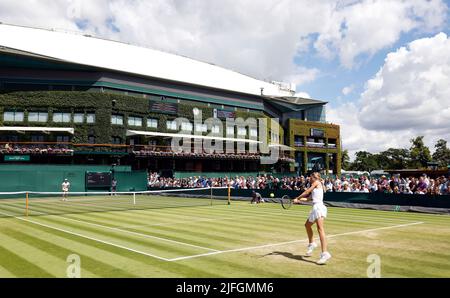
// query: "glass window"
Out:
[253,132]
[61,117]
[37,139]
[201,127]
[116,140]
[215,129]
[62,139]
[242,131]
[37,117]
[13,116]
[230,130]
[117,119]
[135,121]
[186,126]
[172,125]
[152,123]
[78,118]
[275,138]
[90,118]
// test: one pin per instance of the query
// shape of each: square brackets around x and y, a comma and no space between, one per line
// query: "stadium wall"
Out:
[379,201]
[48,178]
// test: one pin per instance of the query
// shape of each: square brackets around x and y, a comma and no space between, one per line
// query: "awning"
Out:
[178,135]
[41,129]
[282,147]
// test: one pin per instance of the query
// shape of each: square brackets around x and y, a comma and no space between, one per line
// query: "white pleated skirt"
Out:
[318,210]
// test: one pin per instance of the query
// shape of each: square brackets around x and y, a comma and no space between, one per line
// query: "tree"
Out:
[442,153]
[420,154]
[394,159]
[345,160]
[364,161]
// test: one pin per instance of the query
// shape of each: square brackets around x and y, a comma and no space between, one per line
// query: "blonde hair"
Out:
[317,176]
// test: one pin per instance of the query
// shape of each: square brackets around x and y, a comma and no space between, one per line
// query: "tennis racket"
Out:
[286,202]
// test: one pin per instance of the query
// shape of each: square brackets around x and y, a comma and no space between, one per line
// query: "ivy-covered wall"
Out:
[103,105]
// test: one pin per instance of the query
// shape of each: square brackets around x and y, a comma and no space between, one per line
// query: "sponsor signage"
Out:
[163,107]
[17,158]
[225,114]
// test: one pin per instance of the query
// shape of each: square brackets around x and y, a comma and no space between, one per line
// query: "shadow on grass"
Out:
[292,256]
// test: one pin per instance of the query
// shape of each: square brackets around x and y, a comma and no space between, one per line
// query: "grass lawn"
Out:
[239,240]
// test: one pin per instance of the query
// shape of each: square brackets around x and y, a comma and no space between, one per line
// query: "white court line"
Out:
[252,214]
[289,242]
[136,233]
[88,237]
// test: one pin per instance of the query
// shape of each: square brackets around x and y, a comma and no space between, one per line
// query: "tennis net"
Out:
[13,204]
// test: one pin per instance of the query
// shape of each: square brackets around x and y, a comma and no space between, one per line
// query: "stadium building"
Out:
[74,99]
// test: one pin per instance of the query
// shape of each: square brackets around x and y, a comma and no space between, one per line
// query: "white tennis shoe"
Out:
[310,249]
[324,257]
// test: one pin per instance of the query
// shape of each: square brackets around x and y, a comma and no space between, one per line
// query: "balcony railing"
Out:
[314,144]
[68,148]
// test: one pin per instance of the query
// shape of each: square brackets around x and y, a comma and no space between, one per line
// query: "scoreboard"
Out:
[98,180]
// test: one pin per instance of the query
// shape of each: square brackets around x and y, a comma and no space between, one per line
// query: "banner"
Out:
[17,158]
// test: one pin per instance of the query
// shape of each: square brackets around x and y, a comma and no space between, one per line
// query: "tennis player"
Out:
[316,216]
[65,189]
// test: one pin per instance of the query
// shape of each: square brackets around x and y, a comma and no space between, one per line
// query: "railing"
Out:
[69,148]
[314,144]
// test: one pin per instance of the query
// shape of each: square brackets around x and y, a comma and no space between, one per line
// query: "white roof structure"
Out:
[41,129]
[106,54]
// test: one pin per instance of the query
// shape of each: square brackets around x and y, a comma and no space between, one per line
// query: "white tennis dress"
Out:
[319,209]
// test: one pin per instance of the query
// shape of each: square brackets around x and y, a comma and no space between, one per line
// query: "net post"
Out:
[229,193]
[134,198]
[211,195]
[26,204]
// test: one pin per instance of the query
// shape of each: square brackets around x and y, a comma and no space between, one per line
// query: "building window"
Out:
[116,140]
[274,138]
[37,139]
[78,118]
[242,131]
[117,119]
[91,140]
[186,126]
[37,117]
[253,132]
[152,123]
[201,127]
[62,139]
[230,130]
[215,129]
[171,125]
[134,121]
[90,118]
[61,117]
[298,141]
[13,116]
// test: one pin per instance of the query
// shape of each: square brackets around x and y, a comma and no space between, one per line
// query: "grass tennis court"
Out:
[239,240]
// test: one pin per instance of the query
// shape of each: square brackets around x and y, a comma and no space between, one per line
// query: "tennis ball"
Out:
[272,195]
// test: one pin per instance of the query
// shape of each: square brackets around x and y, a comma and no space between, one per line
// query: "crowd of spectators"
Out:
[35,149]
[363,184]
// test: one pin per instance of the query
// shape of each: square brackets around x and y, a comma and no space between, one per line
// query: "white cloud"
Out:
[347,90]
[303,95]
[365,27]
[259,38]
[302,75]
[409,96]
